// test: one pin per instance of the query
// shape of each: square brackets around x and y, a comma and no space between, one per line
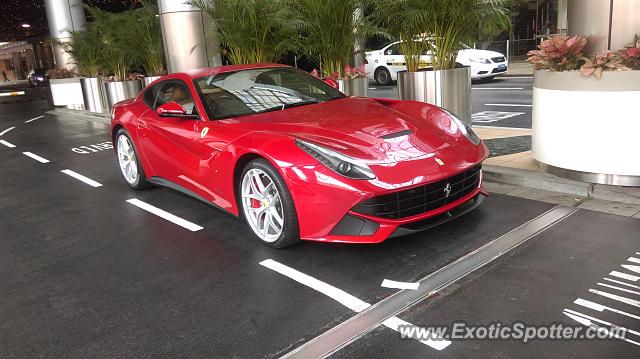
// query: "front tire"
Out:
[129,161]
[382,76]
[267,205]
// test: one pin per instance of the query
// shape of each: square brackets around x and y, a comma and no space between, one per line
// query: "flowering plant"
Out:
[55,74]
[559,53]
[562,53]
[350,73]
[604,61]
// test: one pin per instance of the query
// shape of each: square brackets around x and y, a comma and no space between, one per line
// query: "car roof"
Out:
[196,73]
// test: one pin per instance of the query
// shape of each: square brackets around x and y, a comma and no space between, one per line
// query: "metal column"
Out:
[608,24]
[190,39]
[64,17]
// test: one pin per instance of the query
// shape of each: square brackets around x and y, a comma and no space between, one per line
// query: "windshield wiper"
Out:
[336,97]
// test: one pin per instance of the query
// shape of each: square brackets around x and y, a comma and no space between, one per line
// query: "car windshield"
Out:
[246,92]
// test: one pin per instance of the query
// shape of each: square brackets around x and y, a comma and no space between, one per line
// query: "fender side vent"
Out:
[397,134]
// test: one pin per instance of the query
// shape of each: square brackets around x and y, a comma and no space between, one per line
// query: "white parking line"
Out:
[507,105]
[33,119]
[618,288]
[7,130]
[599,307]
[8,144]
[633,278]
[36,157]
[588,321]
[14,93]
[82,178]
[634,260]
[344,298]
[166,215]
[399,285]
[623,283]
[497,88]
[626,300]
[516,77]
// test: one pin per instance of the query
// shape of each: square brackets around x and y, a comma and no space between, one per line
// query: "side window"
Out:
[176,91]
[393,50]
[151,95]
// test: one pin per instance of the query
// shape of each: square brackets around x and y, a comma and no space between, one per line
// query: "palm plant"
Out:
[85,48]
[441,26]
[253,31]
[146,39]
[114,31]
[329,29]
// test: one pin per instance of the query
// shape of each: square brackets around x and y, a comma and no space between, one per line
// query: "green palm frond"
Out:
[253,31]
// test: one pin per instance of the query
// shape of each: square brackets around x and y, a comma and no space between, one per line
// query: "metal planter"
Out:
[95,97]
[121,90]
[147,80]
[449,89]
[354,87]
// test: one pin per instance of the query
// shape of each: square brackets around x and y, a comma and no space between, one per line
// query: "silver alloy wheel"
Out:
[127,160]
[262,205]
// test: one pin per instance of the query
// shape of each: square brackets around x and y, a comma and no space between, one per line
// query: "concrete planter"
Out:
[147,80]
[354,87]
[449,89]
[67,92]
[93,92]
[587,129]
[121,90]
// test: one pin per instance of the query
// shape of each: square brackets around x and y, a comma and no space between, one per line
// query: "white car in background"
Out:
[383,65]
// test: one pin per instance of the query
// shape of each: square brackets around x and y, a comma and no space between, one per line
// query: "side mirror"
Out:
[333,83]
[173,109]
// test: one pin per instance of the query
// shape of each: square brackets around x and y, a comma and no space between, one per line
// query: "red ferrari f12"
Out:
[296,158]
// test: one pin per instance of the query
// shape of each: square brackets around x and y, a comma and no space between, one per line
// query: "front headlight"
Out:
[341,164]
[480,60]
[466,130]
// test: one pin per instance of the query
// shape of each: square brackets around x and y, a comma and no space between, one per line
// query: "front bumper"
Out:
[327,214]
[481,71]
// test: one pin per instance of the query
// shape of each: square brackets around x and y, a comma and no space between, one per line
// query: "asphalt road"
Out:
[502,102]
[86,273]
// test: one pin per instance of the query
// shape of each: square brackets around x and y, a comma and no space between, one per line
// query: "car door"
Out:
[394,59]
[169,144]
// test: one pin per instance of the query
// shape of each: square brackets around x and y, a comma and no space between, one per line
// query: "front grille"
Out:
[421,199]
[498,59]
[495,71]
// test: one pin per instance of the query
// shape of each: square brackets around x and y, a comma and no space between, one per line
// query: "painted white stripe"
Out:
[623,283]
[330,291]
[82,178]
[394,323]
[631,259]
[599,307]
[508,104]
[36,157]
[497,88]
[8,144]
[342,297]
[33,119]
[15,93]
[618,288]
[515,77]
[399,285]
[635,269]
[164,214]
[587,321]
[625,300]
[626,276]
[7,130]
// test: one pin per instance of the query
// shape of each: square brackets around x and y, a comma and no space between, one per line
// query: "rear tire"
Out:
[382,76]
[267,206]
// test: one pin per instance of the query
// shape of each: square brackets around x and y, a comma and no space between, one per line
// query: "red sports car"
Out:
[296,158]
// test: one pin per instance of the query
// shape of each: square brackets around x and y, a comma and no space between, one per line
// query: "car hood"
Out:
[363,129]
[485,54]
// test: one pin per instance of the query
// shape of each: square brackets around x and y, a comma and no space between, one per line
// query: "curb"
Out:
[89,116]
[548,182]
